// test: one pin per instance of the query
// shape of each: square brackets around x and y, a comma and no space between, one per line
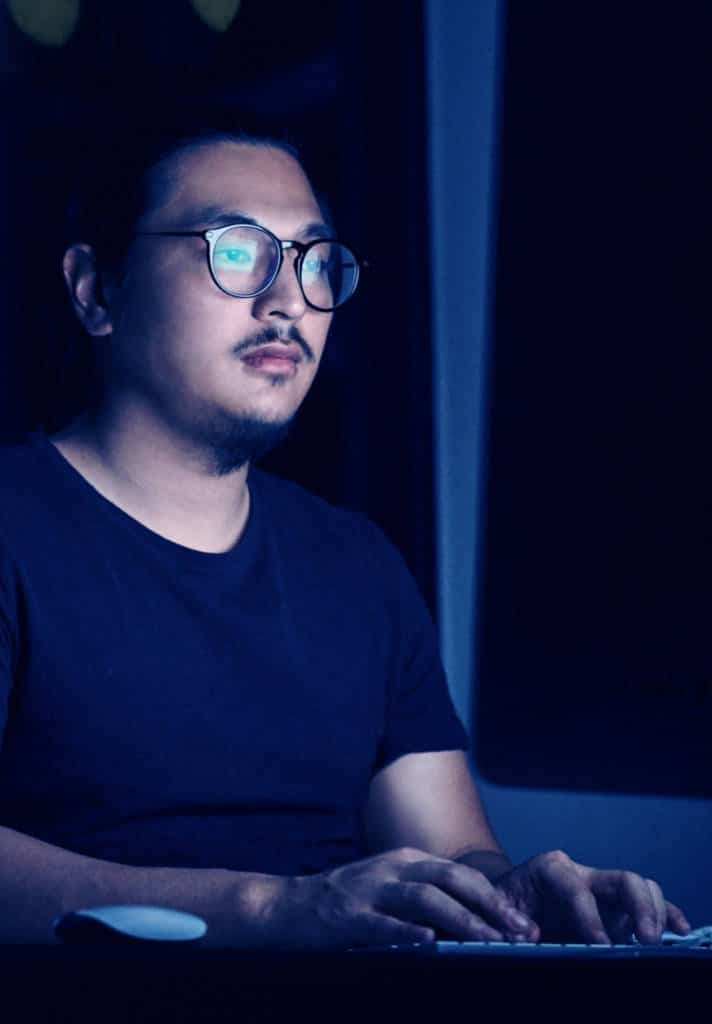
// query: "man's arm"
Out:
[374,902]
[39,882]
[430,801]
[331,910]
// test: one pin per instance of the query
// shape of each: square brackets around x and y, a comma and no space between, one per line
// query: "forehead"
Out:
[264,182]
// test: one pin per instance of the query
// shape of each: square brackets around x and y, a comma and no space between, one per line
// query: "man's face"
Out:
[186,349]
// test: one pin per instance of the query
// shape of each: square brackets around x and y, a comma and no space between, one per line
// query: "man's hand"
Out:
[571,902]
[401,896]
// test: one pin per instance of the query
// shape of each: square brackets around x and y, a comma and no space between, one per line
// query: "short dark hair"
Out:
[118,183]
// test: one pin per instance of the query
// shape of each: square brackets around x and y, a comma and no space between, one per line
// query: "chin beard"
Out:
[232,442]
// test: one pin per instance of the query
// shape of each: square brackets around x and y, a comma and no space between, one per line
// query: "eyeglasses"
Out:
[245,260]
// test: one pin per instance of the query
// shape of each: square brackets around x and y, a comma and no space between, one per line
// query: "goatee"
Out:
[234,441]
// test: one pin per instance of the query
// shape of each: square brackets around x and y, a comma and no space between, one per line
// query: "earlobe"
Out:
[83,281]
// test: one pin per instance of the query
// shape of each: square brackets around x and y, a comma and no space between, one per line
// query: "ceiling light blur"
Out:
[51,24]
[218,14]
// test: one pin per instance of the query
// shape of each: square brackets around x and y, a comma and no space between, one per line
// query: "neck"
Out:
[162,480]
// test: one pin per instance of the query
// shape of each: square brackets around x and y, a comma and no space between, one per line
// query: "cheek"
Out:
[165,286]
[318,335]
[176,318]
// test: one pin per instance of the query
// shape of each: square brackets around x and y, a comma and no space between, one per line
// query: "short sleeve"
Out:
[420,715]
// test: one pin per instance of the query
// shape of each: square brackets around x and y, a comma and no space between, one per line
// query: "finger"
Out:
[570,891]
[475,892]
[425,903]
[659,903]
[618,926]
[676,920]
[373,929]
[629,893]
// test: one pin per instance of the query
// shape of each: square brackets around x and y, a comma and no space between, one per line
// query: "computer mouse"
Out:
[127,922]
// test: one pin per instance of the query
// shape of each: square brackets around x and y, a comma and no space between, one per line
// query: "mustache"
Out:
[270,335]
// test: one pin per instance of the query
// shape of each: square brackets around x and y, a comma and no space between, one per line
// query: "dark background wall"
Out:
[350,92]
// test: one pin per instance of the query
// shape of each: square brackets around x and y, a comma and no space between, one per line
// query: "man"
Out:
[219,693]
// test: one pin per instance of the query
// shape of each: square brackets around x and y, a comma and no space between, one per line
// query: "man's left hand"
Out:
[572,902]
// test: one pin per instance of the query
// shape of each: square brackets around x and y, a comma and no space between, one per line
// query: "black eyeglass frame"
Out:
[211,236]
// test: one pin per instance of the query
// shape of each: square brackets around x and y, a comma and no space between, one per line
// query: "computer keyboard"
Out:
[697,943]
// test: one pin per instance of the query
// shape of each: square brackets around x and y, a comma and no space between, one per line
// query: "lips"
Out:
[290,353]
[279,358]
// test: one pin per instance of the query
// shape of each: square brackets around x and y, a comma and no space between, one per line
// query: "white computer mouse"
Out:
[128,922]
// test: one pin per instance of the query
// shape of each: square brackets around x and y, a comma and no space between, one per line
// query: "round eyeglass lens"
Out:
[329,274]
[244,260]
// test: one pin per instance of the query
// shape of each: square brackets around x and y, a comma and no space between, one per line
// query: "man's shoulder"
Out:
[16,444]
[301,513]
[281,498]
[22,463]
[278,488]
[31,488]
[330,546]
[26,492]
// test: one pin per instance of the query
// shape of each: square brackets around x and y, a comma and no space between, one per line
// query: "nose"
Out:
[283,300]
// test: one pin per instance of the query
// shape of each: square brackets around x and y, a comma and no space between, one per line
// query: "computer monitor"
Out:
[593,645]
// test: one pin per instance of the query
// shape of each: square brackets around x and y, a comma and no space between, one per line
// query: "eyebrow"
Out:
[218,216]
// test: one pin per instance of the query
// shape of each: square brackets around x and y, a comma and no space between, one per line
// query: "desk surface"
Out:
[134,984]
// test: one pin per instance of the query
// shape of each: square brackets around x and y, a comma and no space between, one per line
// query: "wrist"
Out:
[297,915]
[491,863]
[260,908]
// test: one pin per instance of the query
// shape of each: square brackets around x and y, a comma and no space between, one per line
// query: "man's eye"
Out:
[314,266]
[235,257]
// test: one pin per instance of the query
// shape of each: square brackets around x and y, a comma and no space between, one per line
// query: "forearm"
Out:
[38,882]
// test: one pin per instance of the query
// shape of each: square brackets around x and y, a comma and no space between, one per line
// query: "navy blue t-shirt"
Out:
[165,706]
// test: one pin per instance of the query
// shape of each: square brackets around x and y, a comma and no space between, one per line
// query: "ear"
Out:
[83,282]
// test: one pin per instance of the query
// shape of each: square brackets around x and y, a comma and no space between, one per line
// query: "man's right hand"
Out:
[401,896]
